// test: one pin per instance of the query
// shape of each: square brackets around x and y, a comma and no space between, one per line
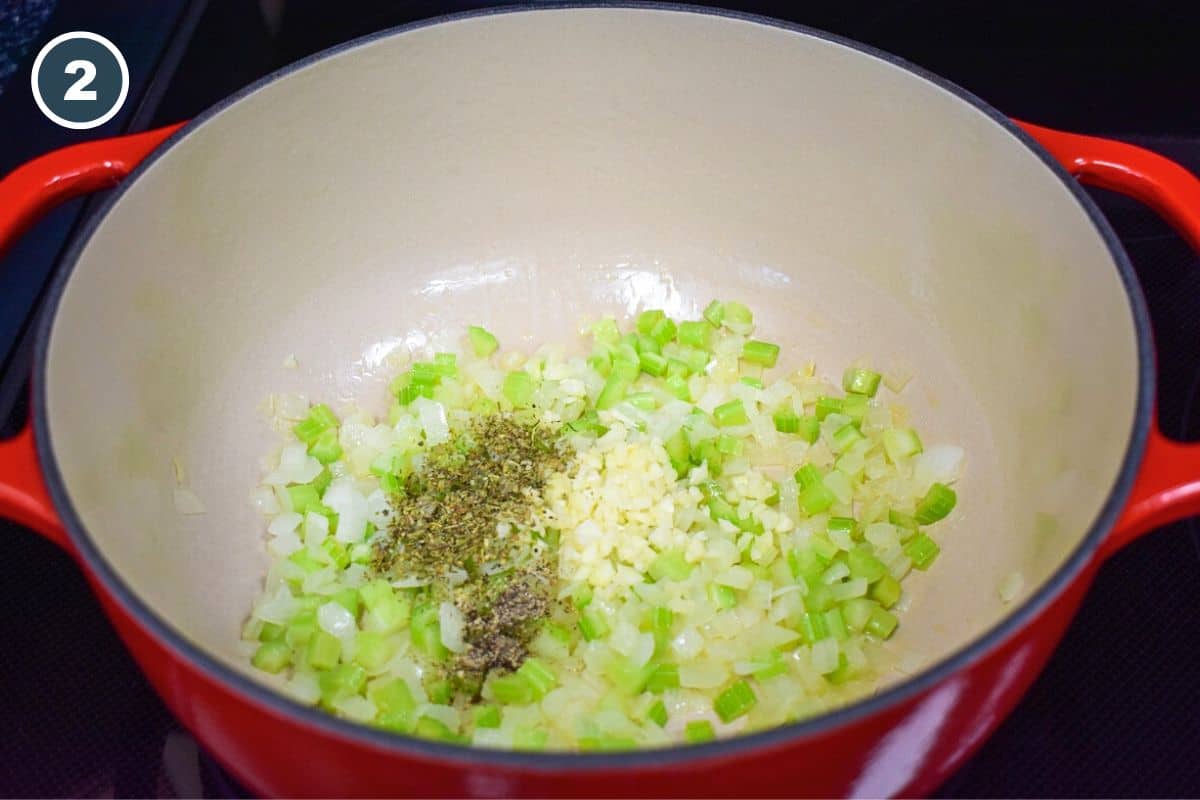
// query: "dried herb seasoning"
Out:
[463,523]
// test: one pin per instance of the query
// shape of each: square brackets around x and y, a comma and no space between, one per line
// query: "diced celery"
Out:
[512,690]
[846,436]
[653,364]
[304,497]
[583,597]
[855,406]
[861,381]
[764,353]
[628,678]
[593,625]
[857,612]
[734,702]
[828,405]
[606,331]
[518,388]
[657,714]
[372,650]
[643,400]
[695,334]
[539,677]
[813,627]
[863,563]
[722,596]
[678,387]
[487,716]
[835,624]
[271,656]
[881,623]
[731,413]
[670,565]
[430,728]
[886,591]
[663,331]
[922,550]
[665,676]
[738,317]
[271,632]
[394,698]
[715,313]
[483,342]
[938,502]
[426,632]
[810,428]
[699,731]
[344,680]
[815,498]
[648,319]
[324,649]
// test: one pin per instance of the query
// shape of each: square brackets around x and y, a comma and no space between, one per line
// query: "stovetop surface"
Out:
[1116,712]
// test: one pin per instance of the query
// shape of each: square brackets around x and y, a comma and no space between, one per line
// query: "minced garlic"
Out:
[617,509]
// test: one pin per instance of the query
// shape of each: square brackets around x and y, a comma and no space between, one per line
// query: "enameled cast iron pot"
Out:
[522,169]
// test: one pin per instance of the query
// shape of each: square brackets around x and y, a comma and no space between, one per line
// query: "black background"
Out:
[1117,711]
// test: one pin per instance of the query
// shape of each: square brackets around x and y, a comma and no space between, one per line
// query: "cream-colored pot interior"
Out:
[524,170]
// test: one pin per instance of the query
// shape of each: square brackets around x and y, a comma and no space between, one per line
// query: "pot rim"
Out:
[394,743]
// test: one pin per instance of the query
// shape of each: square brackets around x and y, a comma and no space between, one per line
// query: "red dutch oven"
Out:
[524,167]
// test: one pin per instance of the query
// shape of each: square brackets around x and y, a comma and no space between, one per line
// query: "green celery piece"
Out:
[670,565]
[324,649]
[665,676]
[734,702]
[764,353]
[593,625]
[922,549]
[657,714]
[810,428]
[372,650]
[881,623]
[715,313]
[937,503]
[695,334]
[483,342]
[699,731]
[518,388]
[786,421]
[828,405]
[861,381]
[487,716]
[271,656]
[886,591]
[344,680]
[539,676]
[512,690]
[731,413]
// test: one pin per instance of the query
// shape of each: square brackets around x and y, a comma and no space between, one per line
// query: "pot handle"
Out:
[1167,486]
[27,193]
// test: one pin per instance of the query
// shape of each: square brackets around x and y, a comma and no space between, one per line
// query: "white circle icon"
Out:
[80,80]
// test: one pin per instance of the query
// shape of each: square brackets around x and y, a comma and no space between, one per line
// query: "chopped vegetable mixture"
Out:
[658,543]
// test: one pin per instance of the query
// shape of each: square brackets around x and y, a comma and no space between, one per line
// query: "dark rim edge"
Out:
[282,705]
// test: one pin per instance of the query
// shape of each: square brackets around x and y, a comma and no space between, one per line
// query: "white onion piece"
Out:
[287,522]
[334,619]
[278,607]
[941,463]
[432,416]
[452,623]
[350,506]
